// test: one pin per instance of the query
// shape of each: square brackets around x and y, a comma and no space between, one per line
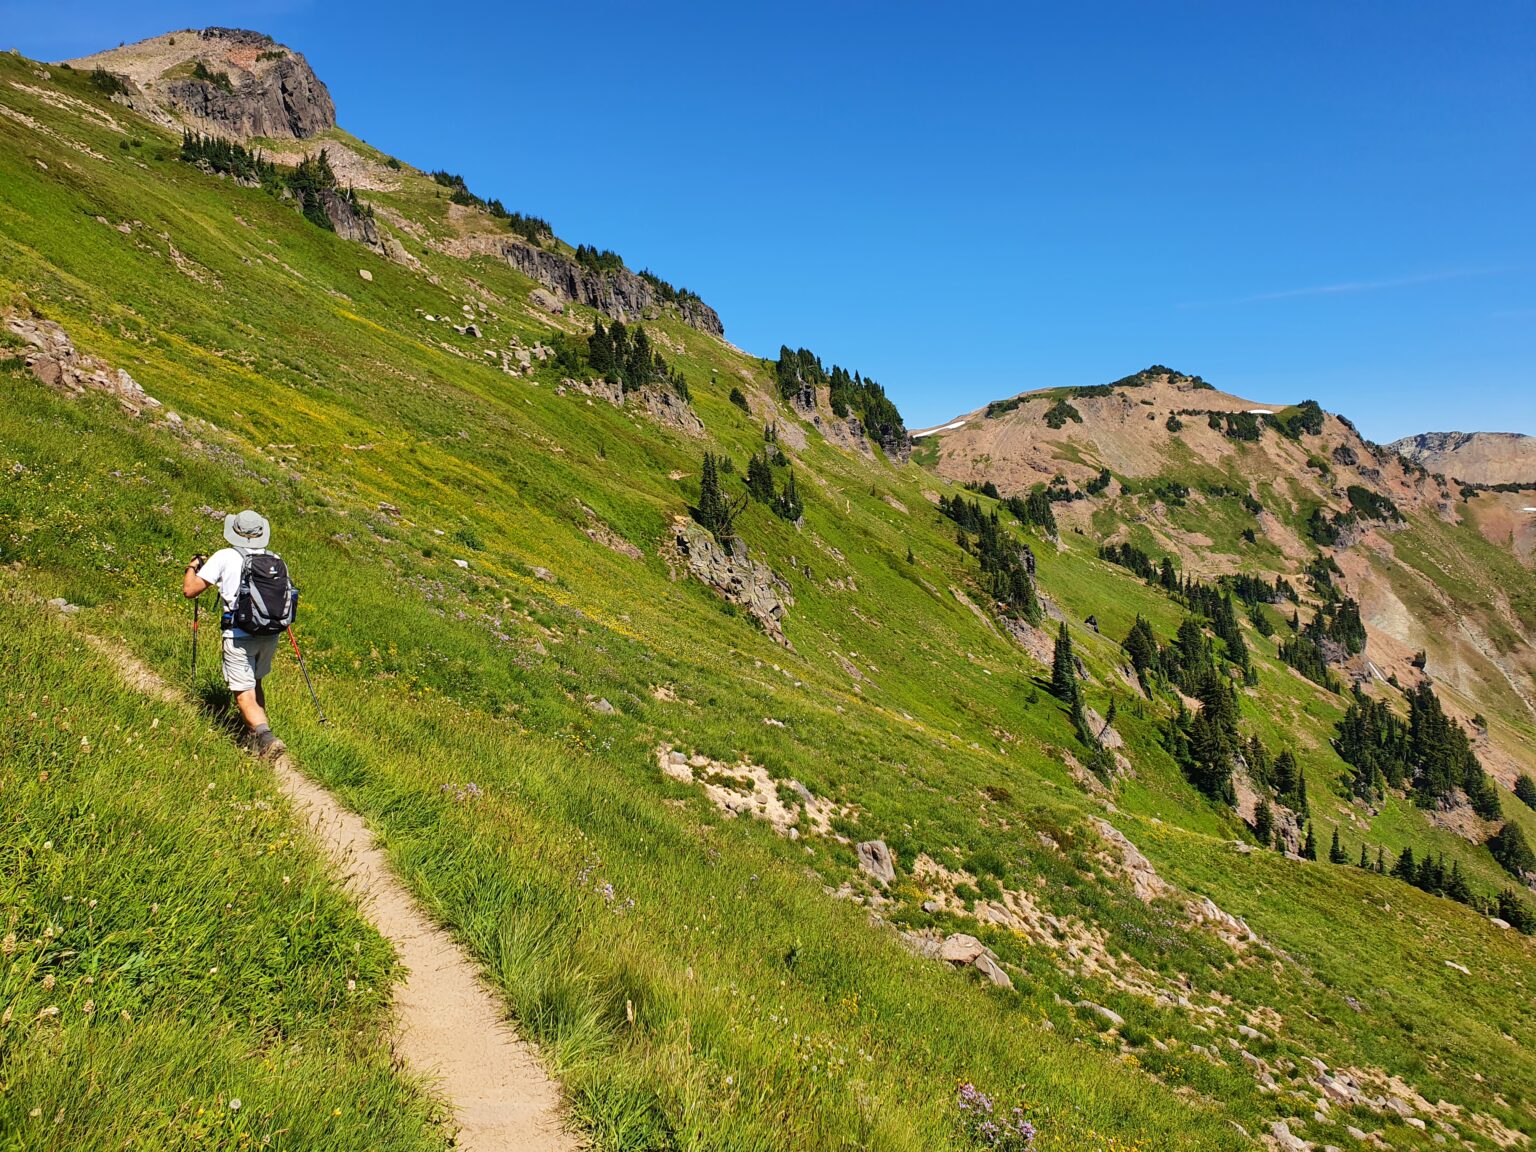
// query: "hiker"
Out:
[249,579]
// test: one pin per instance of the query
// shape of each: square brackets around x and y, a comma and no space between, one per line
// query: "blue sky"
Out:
[1329,200]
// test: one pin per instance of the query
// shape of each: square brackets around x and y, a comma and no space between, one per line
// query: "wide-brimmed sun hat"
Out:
[247,529]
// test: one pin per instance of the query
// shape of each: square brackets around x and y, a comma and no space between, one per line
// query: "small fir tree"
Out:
[1336,853]
[1264,823]
[1064,667]
[1309,849]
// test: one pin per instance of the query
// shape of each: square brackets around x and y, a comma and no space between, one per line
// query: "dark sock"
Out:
[260,729]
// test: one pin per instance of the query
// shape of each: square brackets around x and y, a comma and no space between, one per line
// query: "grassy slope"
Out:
[178,968]
[765,1014]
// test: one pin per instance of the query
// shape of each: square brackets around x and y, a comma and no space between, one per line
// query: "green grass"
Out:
[765,1013]
[178,968]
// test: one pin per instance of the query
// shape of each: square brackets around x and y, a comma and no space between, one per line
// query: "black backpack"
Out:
[267,600]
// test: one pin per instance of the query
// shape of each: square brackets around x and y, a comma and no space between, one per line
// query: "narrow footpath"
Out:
[450,1027]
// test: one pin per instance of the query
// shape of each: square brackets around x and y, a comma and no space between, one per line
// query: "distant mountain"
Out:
[1476,457]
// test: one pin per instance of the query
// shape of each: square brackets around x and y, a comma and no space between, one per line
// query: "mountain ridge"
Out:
[1474,457]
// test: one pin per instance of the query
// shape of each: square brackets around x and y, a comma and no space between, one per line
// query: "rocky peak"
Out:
[226,81]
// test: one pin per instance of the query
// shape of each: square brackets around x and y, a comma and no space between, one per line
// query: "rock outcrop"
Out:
[52,358]
[225,81]
[350,224]
[619,293]
[736,577]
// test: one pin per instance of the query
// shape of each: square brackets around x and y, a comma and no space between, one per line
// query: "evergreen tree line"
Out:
[800,369]
[761,487]
[1005,562]
[307,183]
[1033,511]
[665,292]
[624,356]
[534,229]
[1429,755]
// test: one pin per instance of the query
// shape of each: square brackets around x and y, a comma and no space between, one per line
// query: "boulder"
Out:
[876,862]
[990,968]
[365,274]
[542,299]
[961,949]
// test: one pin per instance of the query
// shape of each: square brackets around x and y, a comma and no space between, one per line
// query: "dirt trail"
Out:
[449,1026]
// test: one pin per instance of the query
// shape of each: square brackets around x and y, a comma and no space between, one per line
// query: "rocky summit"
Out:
[226,81]
[680,752]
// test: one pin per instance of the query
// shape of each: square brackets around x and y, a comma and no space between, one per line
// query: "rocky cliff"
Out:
[225,81]
[1475,457]
[620,294]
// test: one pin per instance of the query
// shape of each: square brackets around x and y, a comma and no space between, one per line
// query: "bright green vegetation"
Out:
[690,977]
[177,969]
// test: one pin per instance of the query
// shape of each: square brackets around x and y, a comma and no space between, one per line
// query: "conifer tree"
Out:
[714,512]
[788,504]
[1365,862]
[911,559]
[1064,668]
[1381,861]
[1336,853]
[760,479]
[1264,823]
[1309,849]
[1525,789]
[1405,868]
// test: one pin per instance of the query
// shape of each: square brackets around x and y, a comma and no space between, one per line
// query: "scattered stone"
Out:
[1462,968]
[601,705]
[462,563]
[876,862]
[545,575]
[365,274]
[54,361]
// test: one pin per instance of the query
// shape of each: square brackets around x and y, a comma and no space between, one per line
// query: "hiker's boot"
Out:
[266,745]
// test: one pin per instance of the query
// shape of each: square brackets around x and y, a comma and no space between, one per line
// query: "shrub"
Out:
[1060,412]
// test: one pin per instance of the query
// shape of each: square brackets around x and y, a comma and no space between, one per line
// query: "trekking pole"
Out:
[305,670]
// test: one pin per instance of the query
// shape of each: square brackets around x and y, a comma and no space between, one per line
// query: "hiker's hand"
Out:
[197,562]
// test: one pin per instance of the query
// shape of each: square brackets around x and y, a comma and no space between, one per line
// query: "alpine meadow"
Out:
[1119,765]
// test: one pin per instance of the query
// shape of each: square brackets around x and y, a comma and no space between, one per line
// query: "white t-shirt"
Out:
[222,570]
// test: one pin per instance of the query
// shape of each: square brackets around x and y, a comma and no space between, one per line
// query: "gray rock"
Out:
[990,968]
[961,949]
[1108,1013]
[1286,1140]
[620,293]
[736,577]
[279,97]
[365,274]
[601,705]
[542,299]
[876,862]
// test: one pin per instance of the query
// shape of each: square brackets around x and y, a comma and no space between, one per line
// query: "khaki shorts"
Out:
[247,660]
